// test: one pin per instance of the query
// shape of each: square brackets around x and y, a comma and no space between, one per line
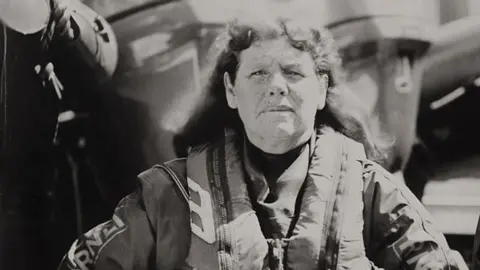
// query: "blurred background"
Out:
[415,64]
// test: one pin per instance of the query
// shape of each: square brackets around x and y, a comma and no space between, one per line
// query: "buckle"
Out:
[276,252]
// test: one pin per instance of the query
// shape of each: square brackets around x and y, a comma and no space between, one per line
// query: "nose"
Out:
[278,85]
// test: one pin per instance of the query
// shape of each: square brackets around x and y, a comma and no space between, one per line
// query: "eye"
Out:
[293,73]
[258,73]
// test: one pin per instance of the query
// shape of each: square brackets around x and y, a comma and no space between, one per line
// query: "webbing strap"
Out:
[221,197]
[333,213]
[210,210]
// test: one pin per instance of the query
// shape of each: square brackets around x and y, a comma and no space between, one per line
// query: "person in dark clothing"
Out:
[48,50]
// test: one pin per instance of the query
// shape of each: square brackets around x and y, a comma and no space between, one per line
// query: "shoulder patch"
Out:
[84,251]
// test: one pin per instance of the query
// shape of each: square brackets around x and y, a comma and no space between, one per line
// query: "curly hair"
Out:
[343,110]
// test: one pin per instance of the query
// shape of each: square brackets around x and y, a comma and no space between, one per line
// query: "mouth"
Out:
[281,108]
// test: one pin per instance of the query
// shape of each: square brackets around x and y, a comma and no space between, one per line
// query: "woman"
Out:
[279,175]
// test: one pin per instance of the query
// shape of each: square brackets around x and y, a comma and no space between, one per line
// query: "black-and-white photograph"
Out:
[239,134]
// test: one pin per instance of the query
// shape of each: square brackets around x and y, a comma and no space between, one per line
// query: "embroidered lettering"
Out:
[85,251]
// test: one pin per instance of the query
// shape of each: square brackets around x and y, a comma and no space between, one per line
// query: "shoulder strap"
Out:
[349,175]
[210,210]
[329,244]
[349,151]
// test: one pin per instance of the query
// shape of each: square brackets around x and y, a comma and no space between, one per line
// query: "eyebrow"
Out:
[288,65]
[292,65]
[257,66]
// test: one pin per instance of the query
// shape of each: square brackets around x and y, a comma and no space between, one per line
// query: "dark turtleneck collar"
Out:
[272,166]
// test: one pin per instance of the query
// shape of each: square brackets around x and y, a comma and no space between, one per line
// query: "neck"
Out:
[278,145]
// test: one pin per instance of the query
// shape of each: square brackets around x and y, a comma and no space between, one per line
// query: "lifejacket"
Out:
[219,220]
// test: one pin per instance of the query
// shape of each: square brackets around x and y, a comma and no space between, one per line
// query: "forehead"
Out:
[274,52]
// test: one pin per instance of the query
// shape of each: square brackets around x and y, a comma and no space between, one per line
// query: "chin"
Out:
[275,151]
[283,131]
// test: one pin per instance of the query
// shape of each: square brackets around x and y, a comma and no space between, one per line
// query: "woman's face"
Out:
[277,94]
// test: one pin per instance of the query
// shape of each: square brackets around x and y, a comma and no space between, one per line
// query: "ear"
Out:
[323,94]
[229,91]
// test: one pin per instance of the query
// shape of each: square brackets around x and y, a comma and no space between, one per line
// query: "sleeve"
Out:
[398,231]
[126,241]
